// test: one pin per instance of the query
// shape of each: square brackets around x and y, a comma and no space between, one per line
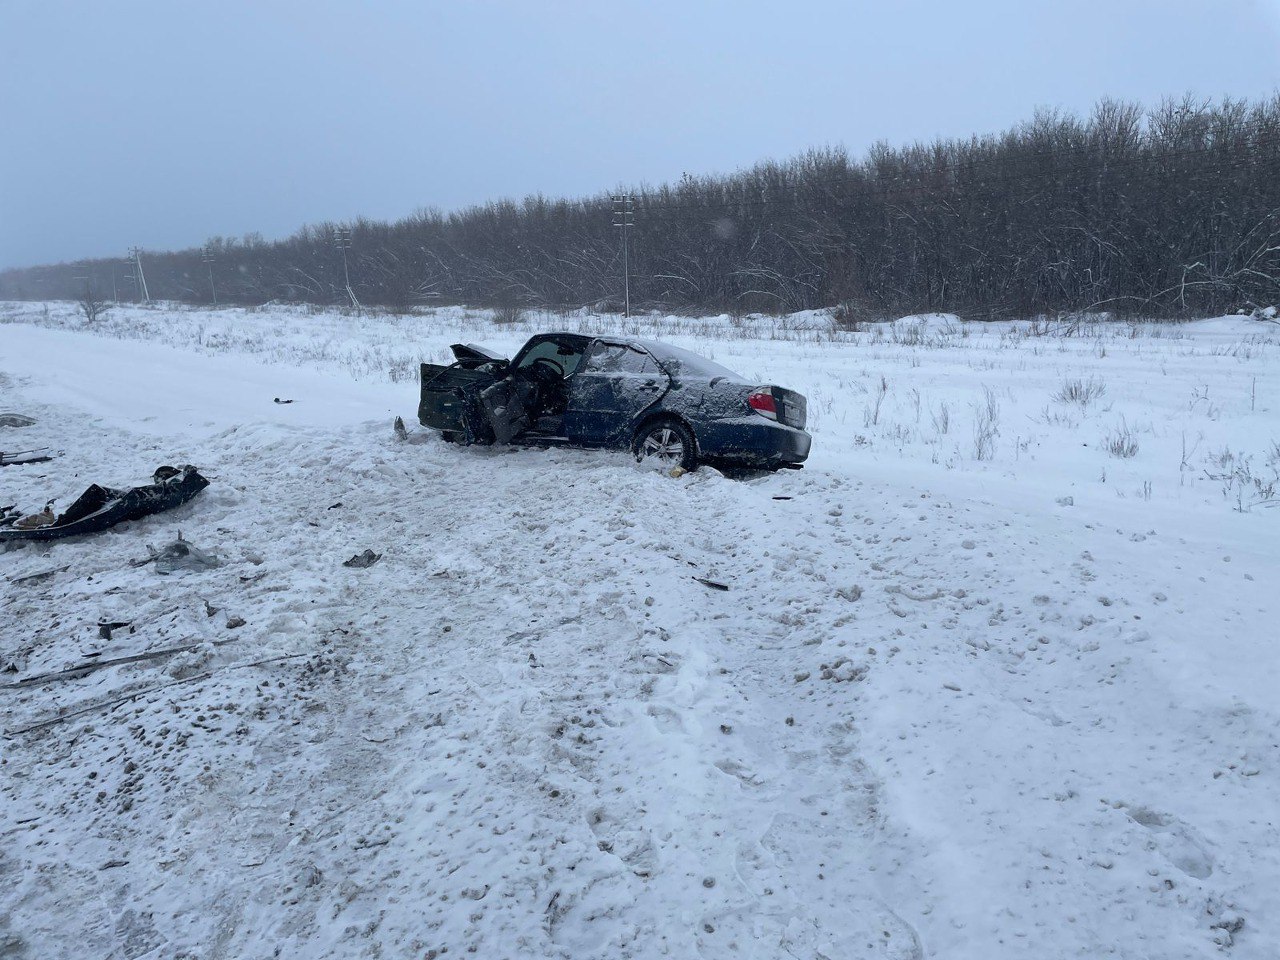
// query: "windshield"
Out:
[565,356]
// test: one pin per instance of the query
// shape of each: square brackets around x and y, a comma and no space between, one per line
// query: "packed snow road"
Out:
[924,720]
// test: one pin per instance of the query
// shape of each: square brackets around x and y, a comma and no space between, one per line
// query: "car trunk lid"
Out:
[780,404]
[792,407]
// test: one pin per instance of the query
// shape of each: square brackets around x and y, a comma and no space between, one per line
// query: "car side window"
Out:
[617,358]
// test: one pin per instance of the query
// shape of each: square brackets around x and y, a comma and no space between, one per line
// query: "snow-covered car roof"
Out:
[680,361]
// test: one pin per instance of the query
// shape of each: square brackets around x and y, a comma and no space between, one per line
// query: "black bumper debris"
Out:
[101,507]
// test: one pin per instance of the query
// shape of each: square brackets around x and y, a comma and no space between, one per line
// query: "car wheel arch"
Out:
[648,419]
[647,423]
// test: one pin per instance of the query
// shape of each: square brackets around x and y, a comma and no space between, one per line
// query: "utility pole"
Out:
[130,277]
[342,240]
[143,293]
[209,259]
[624,220]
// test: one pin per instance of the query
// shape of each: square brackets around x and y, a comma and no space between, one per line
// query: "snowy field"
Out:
[995,676]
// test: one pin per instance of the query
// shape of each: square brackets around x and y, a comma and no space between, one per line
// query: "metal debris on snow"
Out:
[362,560]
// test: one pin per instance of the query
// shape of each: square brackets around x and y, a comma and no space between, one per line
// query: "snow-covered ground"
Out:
[995,675]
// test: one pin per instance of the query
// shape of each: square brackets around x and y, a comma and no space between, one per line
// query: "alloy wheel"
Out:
[663,443]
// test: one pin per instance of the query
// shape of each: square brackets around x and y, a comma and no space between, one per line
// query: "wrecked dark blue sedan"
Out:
[658,401]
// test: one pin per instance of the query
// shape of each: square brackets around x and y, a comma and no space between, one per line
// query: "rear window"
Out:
[617,358]
[682,363]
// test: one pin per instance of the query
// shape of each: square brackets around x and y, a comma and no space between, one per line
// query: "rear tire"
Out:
[667,442]
[448,436]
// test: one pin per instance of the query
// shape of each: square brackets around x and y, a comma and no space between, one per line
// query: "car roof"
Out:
[663,351]
[694,362]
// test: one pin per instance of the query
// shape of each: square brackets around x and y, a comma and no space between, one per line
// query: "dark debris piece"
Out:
[712,584]
[101,507]
[178,555]
[362,560]
[106,626]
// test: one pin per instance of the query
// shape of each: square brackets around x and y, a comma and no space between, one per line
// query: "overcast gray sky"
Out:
[164,123]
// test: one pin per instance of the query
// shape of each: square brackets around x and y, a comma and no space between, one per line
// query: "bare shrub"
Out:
[942,419]
[849,316]
[403,369]
[986,426]
[507,315]
[1052,418]
[1121,443]
[871,412]
[910,334]
[1239,482]
[1081,392]
[92,306]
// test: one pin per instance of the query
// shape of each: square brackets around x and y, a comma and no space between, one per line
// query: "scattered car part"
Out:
[712,583]
[35,521]
[99,508]
[24,456]
[40,575]
[179,555]
[362,560]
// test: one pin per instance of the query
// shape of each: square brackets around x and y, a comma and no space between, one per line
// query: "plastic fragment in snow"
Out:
[34,521]
[712,584]
[180,555]
[99,508]
[362,560]
[25,456]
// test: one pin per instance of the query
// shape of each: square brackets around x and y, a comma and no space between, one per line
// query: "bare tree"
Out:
[91,305]
[1175,210]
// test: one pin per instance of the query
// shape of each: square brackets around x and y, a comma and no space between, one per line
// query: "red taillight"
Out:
[762,402]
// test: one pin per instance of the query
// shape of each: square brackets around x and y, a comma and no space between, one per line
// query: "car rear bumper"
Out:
[753,440]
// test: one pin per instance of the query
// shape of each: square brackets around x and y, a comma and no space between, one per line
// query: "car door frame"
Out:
[579,421]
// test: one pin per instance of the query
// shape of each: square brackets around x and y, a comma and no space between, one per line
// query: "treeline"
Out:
[1171,211]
